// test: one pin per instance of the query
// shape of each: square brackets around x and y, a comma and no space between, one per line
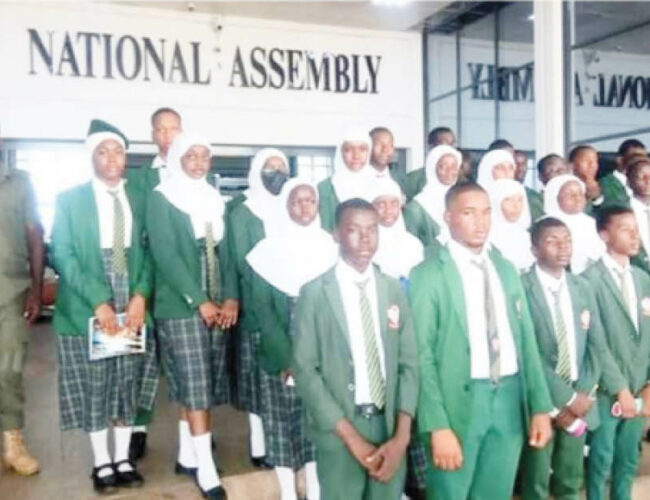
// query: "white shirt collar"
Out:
[158,162]
[550,282]
[348,273]
[610,263]
[99,185]
[463,254]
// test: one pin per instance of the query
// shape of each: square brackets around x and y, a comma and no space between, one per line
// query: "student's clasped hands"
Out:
[224,316]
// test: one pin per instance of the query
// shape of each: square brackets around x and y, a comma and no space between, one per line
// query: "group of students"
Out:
[374,320]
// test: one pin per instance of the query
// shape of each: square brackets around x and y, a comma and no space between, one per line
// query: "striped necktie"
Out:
[211,261]
[376,380]
[119,255]
[624,278]
[563,367]
[494,348]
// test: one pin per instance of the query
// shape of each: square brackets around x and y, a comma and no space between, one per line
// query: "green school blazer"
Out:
[535,203]
[146,178]
[626,362]
[438,304]
[589,339]
[420,224]
[322,357]
[274,353]
[327,202]
[399,177]
[177,258]
[613,191]
[415,182]
[77,258]
[641,260]
[246,230]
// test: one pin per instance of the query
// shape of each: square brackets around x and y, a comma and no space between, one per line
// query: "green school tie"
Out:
[494,348]
[213,289]
[375,377]
[119,256]
[563,367]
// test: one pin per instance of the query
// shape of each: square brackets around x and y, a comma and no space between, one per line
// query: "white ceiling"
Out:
[366,14]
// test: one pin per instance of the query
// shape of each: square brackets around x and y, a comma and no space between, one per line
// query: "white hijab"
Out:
[398,251]
[432,196]
[348,184]
[511,238]
[587,245]
[195,197]
[486,179]
[260,200]
[293,254]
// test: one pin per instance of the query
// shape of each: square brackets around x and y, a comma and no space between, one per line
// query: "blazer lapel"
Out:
[578,307]
[616,292]
[89,207]
[455,288]
[539,298]
[333,295]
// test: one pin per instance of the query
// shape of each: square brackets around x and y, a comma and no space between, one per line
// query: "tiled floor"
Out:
[66,458]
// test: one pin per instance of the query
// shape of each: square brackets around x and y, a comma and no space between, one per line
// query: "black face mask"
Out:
[273,180]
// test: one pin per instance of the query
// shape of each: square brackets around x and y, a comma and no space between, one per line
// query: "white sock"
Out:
[206,475]
[122,440]
[140,428]
[287,480]
[186,455]
[99,444]
[313,486]
[258,448]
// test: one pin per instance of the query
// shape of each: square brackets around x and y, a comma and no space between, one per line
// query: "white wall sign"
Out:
[241,81]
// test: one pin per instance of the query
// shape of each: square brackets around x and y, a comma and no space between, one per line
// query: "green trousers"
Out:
[491,446]
[13,353]
[341,477]
[613,453]
[564,456]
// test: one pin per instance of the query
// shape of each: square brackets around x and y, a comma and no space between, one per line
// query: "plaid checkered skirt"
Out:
[93,393]
[285,424]
[195,357]
[247,371]
[416,464]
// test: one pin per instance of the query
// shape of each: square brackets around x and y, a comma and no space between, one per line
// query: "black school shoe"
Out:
[216,493]
[260,463]
[181,470]
[128,479]
[107,484]
[137,446]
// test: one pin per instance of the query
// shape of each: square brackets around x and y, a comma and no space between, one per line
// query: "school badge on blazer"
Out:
[393,317]
[585,319]
[645,306]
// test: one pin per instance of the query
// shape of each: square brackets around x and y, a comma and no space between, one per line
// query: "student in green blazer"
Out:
[482,385]
[423,215]
[382,153]
[623,298]
[186,229]
[246,223]
[297,251]
[351,178]
[355,363]
[165,127]
[614,186]
[98,250]
[571,341]
[417,179]
[638,178]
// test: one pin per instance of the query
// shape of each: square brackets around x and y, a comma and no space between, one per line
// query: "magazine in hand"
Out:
[102,345]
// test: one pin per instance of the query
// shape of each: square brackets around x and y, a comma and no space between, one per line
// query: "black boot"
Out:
[137,446]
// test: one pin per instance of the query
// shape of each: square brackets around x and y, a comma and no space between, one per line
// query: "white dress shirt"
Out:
[474,293]
[614,269]
[550,285]
[160,165]
[347,278]
[622,178]
[104,203]
[642,215]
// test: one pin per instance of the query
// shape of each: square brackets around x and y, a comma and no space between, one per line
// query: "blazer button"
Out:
[466,387]
[351,387]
